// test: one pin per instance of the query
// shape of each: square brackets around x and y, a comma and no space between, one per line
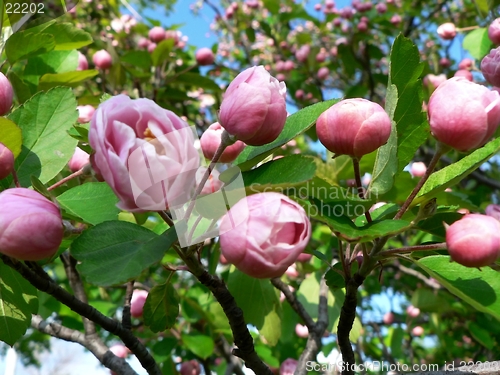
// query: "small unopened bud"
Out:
[6,95]
[6,161]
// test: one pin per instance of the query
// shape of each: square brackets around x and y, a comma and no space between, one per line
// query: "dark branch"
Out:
[87,311]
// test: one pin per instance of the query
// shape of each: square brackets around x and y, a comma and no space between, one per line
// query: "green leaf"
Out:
[477,43]
[259,301]
[24,44]
[93,202]
[162,52]
[10,136]
[114,252]
[18,300]
[452,174]
[404,106]
[397,336]
[481,334]
[201,345]
[272,5]
[295,124]
[72,79]
[478,287]
[308,295]
[45,121]
[198,80]
[161,308]
[429,301]
[68,37]
[21,87]
[334,217]
[285,172]
[51,62]
[334,279]
[140,59]
[386,162]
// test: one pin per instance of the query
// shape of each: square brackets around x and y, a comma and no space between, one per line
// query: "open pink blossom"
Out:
[144,152]
[263,234]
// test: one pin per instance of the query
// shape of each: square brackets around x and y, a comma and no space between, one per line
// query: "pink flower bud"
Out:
[463,114]
[302,331]
[191,367]
[362,27]
[213,183]
[474,240]
[292,271]
[466,64]
[270,231]
[303,52]
[493,210]
[288,366]
[388,318]
[433,81]
[253,4]
[210,141]
[299,94]
[124,132]
[6,161]
[79,159]
[119,350]
[205,56]
[143,43]
[417,331]
[323,73]
[413,311]
[254,108]
[151,47]
[30,225]
[317,7]
[85,113]
[494,31]
[321,57]
[102,59]
[83,64]
[353,127]
[418,169]
[464,74]
[304,257]
[6,95]
[381,8]
[329,4]
[395,19]
[445,62]
[447,31]
[490,67]
[137,302]
[157,34]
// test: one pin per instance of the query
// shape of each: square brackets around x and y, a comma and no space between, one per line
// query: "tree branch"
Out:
[313,345]
[296,305]
[87,311]
[96,347]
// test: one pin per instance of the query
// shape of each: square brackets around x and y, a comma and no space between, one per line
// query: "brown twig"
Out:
[126,317]
[98,349]
[87,311]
